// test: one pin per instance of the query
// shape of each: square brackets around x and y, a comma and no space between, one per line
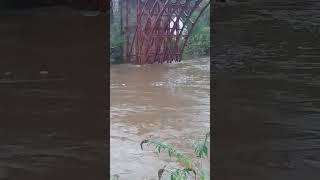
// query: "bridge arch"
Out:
[156,31]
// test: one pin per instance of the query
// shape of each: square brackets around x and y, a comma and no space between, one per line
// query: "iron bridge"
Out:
[157,31]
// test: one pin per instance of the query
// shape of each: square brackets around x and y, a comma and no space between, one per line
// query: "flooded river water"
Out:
[53,128]
[267,102]
[267,68]
[170,101]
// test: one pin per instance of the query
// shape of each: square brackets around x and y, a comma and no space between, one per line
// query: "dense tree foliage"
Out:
[199,42]
[116,34]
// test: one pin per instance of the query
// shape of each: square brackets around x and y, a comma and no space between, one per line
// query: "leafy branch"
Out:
[200,150]
[172,152]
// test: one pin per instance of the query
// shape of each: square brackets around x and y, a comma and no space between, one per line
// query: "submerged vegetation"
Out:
[188,167]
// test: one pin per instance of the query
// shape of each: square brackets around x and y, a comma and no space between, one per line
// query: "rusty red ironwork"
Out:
[161,30]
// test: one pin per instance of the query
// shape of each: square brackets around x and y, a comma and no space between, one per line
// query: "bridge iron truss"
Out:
[157,31]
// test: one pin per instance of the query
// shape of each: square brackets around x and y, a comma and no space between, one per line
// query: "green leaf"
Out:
[200,149]
[172,177]
[170,153]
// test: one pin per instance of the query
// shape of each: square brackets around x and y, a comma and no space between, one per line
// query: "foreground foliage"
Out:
[187,167]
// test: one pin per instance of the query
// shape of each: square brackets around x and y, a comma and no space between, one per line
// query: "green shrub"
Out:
[190,167]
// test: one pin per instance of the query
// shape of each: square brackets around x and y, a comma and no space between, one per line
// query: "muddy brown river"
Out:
[170,101]
[266,55]
[54,128]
